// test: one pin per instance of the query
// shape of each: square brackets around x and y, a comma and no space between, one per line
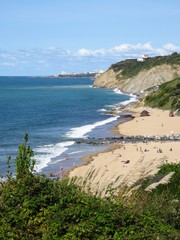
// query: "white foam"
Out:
[80,132]
[116,90]
[133,98]
[102,110]
[109,106]
[44,154]
[75,152]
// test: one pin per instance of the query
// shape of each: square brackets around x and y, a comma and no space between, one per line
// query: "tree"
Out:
[24,163]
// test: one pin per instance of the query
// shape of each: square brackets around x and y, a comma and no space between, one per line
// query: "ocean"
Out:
[55,112]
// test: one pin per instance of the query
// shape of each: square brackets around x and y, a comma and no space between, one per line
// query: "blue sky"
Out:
[46,37]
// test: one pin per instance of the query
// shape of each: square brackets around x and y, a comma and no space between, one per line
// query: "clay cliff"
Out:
[131,76]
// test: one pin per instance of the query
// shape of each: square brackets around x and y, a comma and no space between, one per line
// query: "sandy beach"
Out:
[125,164]
[158,123]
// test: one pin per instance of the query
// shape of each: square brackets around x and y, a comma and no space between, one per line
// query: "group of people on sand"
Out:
[159,150]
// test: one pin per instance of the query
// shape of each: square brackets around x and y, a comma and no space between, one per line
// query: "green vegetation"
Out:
[164,199]
[35,207]
[132,67]
[166,97]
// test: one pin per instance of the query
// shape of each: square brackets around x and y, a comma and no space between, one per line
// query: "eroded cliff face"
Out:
[142,81]
[106,80]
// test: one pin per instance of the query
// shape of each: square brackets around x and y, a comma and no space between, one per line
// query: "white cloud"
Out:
[87,52]
[53,60]
[128,49]
[146,46]
[121,48]
[170,47]
[9,64]
[84,52]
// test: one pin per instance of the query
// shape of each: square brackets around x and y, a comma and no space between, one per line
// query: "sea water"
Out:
[55,112]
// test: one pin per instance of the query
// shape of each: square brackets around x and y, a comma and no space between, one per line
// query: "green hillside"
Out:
[166,97]
[132,67]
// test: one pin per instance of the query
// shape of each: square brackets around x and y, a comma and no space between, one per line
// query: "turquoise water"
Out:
[54,112]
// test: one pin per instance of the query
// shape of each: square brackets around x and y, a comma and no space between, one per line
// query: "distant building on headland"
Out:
[143,58]
[84,74]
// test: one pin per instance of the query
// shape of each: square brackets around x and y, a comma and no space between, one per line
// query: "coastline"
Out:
[126,163]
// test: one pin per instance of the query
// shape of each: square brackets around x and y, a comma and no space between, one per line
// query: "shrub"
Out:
[35,207]
[166,97]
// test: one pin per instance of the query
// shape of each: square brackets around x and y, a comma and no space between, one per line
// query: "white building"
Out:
[143,58]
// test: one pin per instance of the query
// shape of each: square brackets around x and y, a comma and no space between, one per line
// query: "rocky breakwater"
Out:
[123,139]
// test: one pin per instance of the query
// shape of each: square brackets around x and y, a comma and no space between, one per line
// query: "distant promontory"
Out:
[80,75]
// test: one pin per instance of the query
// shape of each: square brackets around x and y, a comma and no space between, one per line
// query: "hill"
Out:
[133,76]
[166,97]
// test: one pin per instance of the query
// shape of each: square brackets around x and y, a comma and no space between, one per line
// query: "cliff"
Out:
[131,76]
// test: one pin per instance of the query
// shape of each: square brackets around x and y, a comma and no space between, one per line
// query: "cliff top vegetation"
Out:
[131,67]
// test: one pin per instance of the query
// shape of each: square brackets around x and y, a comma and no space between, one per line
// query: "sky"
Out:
[47,37]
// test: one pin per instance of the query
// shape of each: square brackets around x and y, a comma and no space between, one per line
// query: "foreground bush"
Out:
[35,207]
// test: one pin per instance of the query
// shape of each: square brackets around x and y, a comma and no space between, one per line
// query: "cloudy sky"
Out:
[46,37]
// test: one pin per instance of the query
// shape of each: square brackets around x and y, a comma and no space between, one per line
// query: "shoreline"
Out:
[126,163]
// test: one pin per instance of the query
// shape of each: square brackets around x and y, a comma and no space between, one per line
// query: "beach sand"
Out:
[125,164]
[158,123]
